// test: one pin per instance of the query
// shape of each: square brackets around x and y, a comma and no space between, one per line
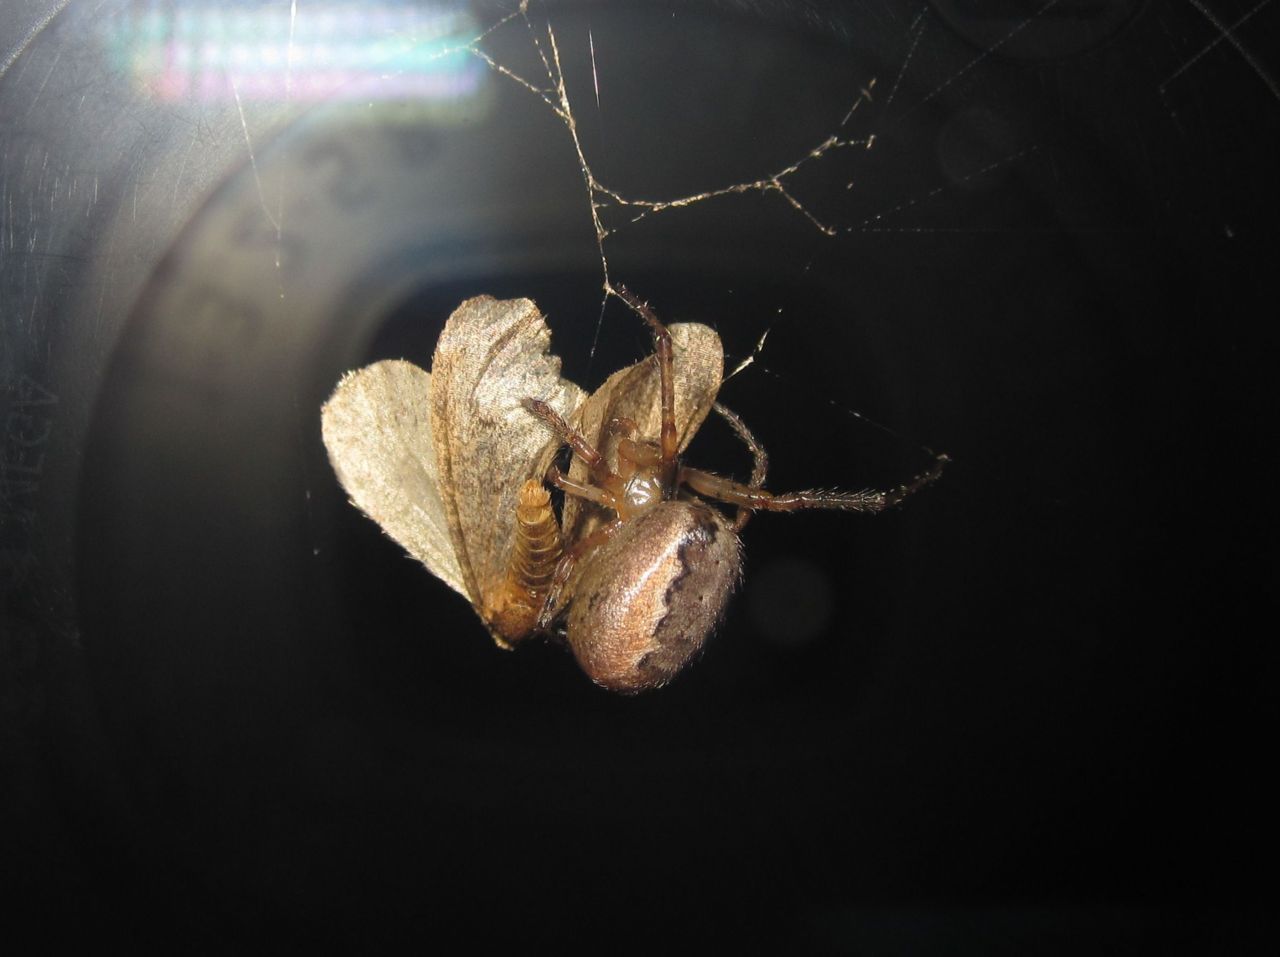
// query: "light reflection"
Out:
[330,50]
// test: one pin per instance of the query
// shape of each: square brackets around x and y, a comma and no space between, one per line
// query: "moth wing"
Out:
[491,356]
[636,393]
[377,430]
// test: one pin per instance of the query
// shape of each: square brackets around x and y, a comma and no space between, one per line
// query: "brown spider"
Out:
[641,590]
[452,466]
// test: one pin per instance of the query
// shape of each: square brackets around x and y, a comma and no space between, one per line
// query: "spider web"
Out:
[613,208]
[603,198]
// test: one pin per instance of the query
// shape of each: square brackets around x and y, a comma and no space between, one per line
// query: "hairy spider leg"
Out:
[759,458]
[564,568]
[670,441]
[757,499]
[601,474]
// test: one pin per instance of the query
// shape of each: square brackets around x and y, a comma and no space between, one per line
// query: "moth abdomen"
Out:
[512,608]
[537,546]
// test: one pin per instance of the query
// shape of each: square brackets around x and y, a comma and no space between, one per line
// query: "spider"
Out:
[454,465]
[650,563]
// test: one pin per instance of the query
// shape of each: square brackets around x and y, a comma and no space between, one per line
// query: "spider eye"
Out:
[648,598]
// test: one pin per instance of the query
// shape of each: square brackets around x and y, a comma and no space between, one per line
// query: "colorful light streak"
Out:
[326,50]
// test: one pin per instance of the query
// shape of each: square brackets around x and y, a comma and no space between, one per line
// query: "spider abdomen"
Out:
[648,597]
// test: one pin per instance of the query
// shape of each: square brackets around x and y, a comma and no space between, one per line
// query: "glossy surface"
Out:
[649,597]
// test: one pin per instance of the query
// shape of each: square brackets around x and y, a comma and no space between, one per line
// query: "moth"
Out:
[454,465]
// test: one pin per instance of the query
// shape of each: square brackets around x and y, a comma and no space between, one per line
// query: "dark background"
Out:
[1029,711]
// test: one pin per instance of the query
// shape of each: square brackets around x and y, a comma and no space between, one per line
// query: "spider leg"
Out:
[757,499]
[670,441]
[600,471]
[578,489]
[759,458]
[564,569]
